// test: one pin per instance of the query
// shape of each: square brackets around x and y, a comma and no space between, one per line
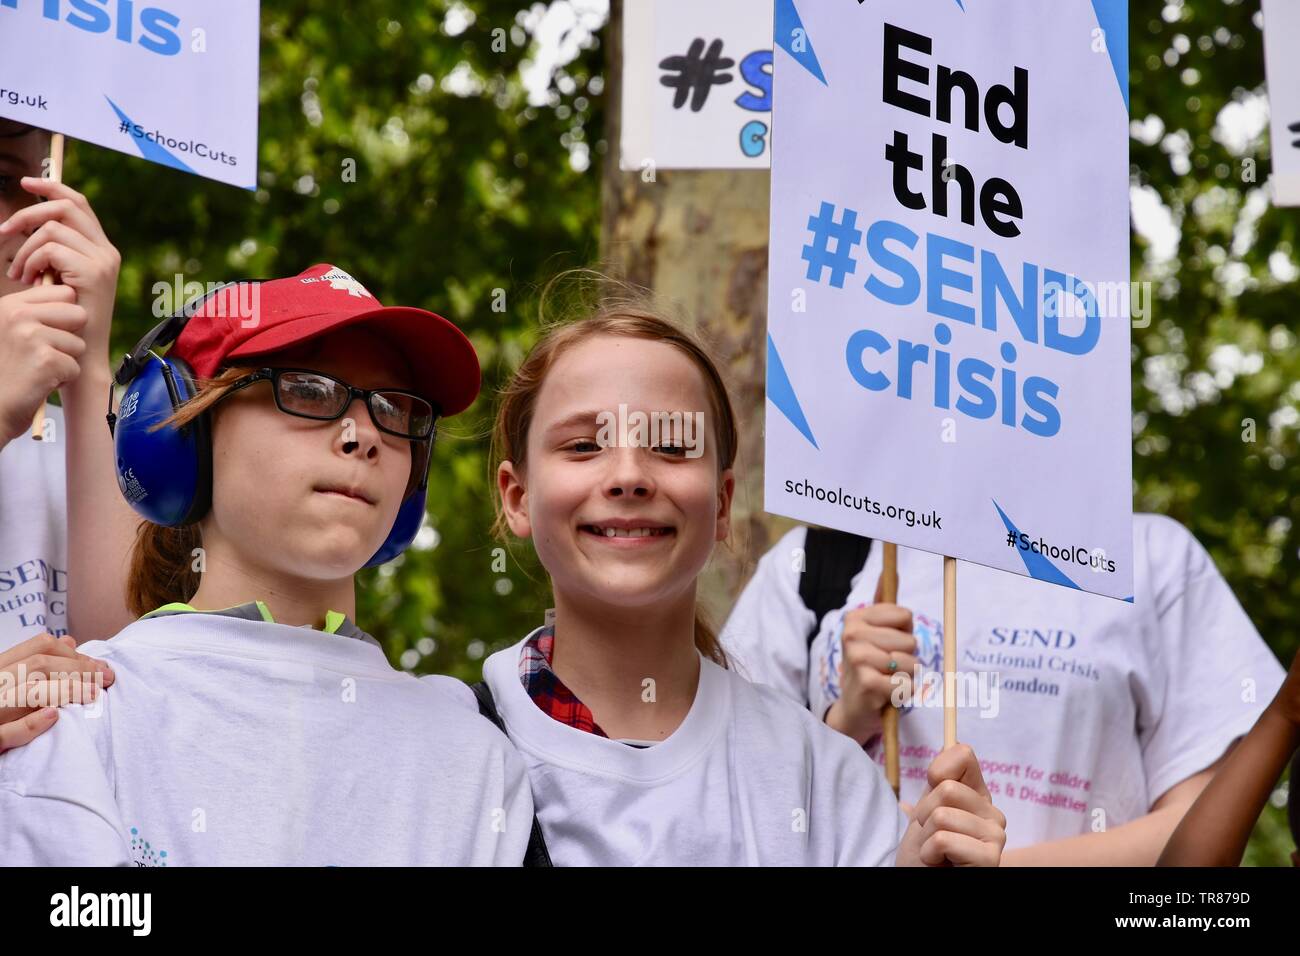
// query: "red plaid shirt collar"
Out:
[547,690]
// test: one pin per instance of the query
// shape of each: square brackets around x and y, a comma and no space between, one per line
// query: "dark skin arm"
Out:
[1215,830]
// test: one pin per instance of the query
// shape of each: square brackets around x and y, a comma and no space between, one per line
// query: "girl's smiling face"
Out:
[572,490]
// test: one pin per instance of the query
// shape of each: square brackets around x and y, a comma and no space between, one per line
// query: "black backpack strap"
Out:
[536,854]
[831,559]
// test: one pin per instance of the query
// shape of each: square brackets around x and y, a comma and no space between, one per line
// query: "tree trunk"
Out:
[698,240]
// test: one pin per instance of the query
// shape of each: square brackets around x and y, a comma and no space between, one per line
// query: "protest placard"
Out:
[1282,61]
[949,311]
[174,82]
[697,84]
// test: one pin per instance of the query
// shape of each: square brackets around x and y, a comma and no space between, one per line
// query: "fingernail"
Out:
[4,226]
[46,713]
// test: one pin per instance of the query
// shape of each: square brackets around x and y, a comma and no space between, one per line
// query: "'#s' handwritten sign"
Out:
[1282,60]
[697,84]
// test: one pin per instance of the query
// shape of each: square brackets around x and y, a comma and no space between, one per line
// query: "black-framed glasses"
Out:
[308,394]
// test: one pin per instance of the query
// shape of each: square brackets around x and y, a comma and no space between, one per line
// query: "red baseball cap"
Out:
[245,320]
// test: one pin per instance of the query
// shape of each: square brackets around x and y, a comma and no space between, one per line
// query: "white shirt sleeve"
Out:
[766,636]
[56,798]
[869,823]
[518,815]
[508,820]
[1215,673]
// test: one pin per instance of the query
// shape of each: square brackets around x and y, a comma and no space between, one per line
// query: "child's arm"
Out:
[1136,843]
[66,238]
[1215,830]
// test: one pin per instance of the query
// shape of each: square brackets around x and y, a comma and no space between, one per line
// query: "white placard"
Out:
[1282,61]
[948,348]
[697,84]
[173,81]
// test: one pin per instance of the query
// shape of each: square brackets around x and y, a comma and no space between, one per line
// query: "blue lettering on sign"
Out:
[757,71]
[753,138]
[157,27]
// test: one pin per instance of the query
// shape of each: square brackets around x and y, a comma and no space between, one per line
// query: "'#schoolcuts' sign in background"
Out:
[697,84]
[1282,57]
[948,348]
[172,81]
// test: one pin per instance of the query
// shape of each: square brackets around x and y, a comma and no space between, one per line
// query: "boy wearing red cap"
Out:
[252,722]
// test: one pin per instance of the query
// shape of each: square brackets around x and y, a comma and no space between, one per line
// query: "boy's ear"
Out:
[726,490]
[514,499]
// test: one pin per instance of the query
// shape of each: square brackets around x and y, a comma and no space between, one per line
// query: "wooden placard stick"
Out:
[949,652]
[889,719]
[47,278]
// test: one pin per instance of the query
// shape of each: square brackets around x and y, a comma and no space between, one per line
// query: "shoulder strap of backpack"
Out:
[831,559]
[536,854]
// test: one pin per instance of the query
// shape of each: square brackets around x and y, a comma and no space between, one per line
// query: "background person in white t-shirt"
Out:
[251,722]
[56,506]
[1098,721]
[641,748]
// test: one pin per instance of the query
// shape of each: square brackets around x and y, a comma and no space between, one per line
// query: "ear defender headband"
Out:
[166,474]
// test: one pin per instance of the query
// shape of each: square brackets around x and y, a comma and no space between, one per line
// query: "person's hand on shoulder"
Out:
[37,677]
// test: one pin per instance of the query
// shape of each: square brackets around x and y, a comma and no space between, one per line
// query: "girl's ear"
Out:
[514,499]
[726,488]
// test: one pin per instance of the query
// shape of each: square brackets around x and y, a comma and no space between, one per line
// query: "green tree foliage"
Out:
[1220,352]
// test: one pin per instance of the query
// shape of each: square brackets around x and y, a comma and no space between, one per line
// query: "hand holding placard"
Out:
[874,637]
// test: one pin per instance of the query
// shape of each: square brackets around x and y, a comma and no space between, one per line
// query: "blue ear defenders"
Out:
[166,475]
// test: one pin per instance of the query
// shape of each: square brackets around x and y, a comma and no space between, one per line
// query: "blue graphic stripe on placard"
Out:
[1038,565]
[788,26]
[781,393]
[1112,17]
[149,149]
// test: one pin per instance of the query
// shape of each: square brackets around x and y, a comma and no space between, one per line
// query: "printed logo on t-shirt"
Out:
[1040,659]
[33,598]
[145,854]
[929,655]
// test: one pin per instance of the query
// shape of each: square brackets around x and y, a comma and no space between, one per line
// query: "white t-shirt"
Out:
[227,742]
[748,779]
[33,536]
[1082,709]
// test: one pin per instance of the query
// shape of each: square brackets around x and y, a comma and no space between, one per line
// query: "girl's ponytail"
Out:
[162,567]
